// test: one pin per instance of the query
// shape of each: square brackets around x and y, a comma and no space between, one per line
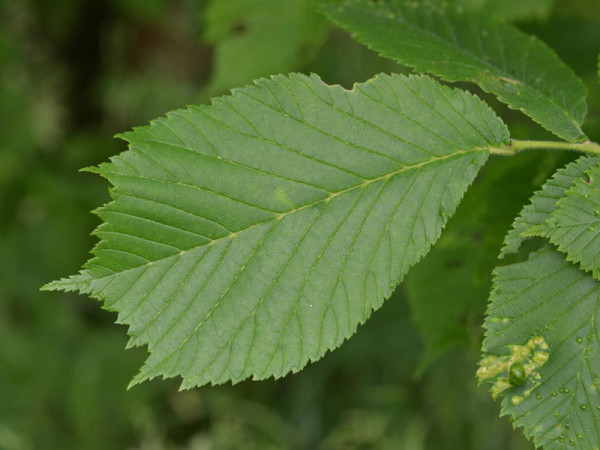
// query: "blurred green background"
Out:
[73,73]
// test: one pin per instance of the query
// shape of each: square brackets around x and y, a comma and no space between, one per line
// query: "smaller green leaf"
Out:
[519,69]
[543,315]
[530,221]
[574,226]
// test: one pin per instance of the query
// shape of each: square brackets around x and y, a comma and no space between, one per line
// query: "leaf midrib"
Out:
[280,216]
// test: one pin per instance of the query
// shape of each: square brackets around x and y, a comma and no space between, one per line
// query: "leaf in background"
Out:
[443,292]
[582,9]
[249,237]
[531,220]
[543,313]
[459,46]
[574,226]
[509,9]
[147,11]
[256,39]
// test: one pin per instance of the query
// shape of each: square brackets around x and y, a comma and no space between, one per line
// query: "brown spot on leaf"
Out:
[239,28]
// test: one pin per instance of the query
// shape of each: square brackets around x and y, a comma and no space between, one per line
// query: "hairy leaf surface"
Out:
[249,237]
[543,314]
[531,220]
[459,46]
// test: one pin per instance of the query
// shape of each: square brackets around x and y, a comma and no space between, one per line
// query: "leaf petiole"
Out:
[517,146]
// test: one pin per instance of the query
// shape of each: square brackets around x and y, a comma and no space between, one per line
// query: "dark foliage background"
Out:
[73,73]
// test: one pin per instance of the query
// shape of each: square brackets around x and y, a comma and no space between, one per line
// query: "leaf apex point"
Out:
[48,287]
[68,284]
[139,378]
[91,169]
[125,136]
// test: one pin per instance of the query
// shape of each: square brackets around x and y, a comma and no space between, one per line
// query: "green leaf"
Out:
[509,9]
[460,46]
[543,314]
[531,220]
[249,237]
[255,39]
[574,226]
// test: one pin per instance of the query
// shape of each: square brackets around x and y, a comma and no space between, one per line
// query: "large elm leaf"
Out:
[532,219]
[543,313]
[463,46]
[574,226]
[249,237]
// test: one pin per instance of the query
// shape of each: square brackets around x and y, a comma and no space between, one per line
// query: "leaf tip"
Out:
[90,169]
[126,135]
[133,383]
[64,284]
[141,376]
[49,286]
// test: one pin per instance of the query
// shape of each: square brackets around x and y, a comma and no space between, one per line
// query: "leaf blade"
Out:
[552,300]
[273,218]
[575,223]
[531,220]
[512,10]
[461,46]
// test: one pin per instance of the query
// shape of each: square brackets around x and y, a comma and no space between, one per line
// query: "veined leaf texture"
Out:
[554,296]
[249,237]
[458,45]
